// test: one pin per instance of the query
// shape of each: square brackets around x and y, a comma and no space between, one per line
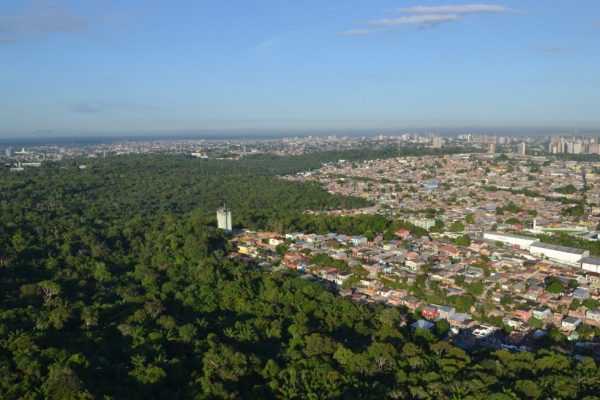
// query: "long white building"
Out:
[591,264]
[522,242]
[562,254]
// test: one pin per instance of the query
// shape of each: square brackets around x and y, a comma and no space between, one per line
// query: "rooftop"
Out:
[591,260]
[508,235]
[555,247]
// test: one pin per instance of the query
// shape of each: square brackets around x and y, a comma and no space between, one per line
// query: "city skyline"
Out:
[122,68]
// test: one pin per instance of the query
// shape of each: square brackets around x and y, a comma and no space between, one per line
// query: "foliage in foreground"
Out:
[165,315]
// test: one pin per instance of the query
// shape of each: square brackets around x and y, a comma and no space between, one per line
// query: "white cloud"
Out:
[39,21]
[429,16]
[417,20]
[549,49]
[355,32]
[458,9]
[37,18]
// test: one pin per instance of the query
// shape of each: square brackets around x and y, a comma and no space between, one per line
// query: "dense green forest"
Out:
[120,189]
[116,285]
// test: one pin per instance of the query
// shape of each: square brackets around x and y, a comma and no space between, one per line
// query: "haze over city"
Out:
[89,68]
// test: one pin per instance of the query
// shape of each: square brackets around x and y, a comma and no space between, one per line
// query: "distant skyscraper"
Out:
[437,142]
[522,148]
[8,152]
[224,218]
[491,147]
[569,147]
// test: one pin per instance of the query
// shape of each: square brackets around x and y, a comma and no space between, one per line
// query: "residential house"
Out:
[358,240]
[430,312]
[579,312]
[445,312]
[542,313]
[570,323]
[411,302]
[403,234]
[414,263]
[461,321]
[581,294]
[422,324]
[593,317]
[524,313]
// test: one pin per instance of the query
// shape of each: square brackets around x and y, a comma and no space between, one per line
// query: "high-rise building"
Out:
[522,148]
[224,218]
[554,146]
[568,147]
[491,147]
[437,142]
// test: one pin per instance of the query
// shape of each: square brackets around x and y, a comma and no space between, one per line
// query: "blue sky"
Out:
[78,67]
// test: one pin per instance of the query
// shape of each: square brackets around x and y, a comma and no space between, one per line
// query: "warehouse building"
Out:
[522,242]
[562,254]
[591,264]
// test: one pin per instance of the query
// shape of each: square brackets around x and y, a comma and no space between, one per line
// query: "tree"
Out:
[456,226]
[388,235]
[63,383]
[528,389]
[506,300]
[569,189]
[475,288]
[281,249]
[50,289]
[575,211]
[463,240]
[512,221]
[573,284]
[370,235]
[535,323]
[555,287]
[442,327]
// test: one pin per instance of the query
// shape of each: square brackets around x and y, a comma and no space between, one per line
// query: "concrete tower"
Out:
[224,218]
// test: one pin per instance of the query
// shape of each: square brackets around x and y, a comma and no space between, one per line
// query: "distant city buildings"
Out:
[238,148]
[561,145]
[522,148]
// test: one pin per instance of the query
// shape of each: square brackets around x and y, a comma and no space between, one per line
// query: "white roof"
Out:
[555,247]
